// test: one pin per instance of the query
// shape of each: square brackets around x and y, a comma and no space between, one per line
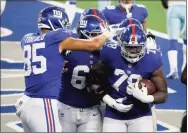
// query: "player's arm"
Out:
[165,3]
[82,44]
[145,15]
[97,79]
[184,75]
[160,83]
[145,25]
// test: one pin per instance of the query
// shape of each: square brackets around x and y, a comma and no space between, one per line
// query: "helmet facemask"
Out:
[91,34]
[134,52]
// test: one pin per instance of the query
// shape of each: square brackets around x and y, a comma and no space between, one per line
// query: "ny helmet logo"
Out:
[83,23]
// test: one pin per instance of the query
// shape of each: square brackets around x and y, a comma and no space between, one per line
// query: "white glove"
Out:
[112,32]
[151,43]
[140,94]
[117,104]
[115,29]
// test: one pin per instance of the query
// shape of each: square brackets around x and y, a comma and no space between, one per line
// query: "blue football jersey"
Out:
[43,63]
[115,15]
[74,92]
[123,74]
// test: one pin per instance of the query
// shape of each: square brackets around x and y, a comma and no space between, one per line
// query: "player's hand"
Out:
[115,30]
[140,93]
[117,104]
[111,32]
[65,69]
[150,35]
[151,42]
[97,89]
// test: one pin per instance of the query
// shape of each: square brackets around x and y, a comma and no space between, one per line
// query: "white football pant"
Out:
[79,119]
[142,124]
[38,114]
[102,109]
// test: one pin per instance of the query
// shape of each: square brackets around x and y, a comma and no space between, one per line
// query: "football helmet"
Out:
[130,21]
[90,26]
[132,41]
[93,11]
[127,22]
[52,18]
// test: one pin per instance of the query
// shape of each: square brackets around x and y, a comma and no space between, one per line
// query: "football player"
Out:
[79,109]
[150,44]
[126,9]
[176,27]
[126,64]
[43,65]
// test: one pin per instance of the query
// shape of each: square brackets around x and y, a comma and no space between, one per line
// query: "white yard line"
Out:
[170,127]
[11,61]
[170,90]
[11,89]
[12,95]
[14,126]
[5,76]
[12,70]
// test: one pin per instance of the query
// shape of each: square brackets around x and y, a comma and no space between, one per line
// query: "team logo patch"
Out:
[83,23]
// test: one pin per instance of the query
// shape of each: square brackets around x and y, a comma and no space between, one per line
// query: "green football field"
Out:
[156,17]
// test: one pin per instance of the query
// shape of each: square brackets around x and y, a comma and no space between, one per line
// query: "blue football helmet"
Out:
[130,21]
[125,23]
[52,18]
[93,11]
[132,41]
[90,26]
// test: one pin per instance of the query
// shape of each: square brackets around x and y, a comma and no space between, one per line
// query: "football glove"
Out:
[117,104]
[140,93]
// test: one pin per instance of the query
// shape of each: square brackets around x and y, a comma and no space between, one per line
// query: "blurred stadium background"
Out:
[20,17]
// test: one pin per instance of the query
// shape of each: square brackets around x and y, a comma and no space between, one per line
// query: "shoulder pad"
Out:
[29,35]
